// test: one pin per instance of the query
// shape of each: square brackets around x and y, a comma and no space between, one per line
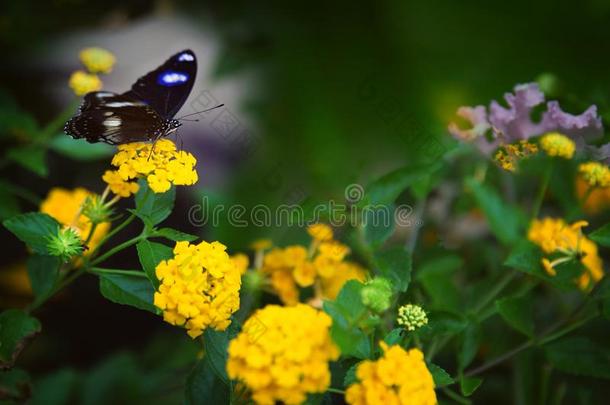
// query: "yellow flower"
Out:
[97,60]
[507,156]
[82,82]
[66,207]
[161,168]
[399,377]
[554,235]
[241,262]
[282,354]
[594,200]
[595,174]
[199,287]
[261,244]
[556,144]
[320,232]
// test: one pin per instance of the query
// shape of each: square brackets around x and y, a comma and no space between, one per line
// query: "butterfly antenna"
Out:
[200,112]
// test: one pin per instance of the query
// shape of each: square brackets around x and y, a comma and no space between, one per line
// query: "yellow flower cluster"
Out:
[508,156]
[398,377]
[199,287]
[82,82]
[282,354]
[594,200]
[96,60]
[554,235]
[556,144]
[596,174]
[66,207]
[161,168]
[322,266]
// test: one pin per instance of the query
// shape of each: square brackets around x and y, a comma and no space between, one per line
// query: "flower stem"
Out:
[335,390]
[113,232]
[542,190]
[118,248]
[132,273]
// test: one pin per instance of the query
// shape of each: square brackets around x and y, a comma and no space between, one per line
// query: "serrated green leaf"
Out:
[128,290]
[155,207]
[580,356]
[518,313]
[33,229]
[395,265]
[386,189]
[203,386]
[468,385]
[395,336]
[505,220]
[43,272]
[80,149]
[350,376]
[150,255]
[601,235]
[175,235]
[469,345]
[16,328]
[216,345]
[378,225]
[440,376]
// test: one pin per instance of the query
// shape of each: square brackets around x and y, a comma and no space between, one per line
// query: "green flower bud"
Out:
[377,294]
[65,244]
[411,317]
[95,209]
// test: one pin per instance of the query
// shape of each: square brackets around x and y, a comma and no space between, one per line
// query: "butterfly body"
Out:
[144,113]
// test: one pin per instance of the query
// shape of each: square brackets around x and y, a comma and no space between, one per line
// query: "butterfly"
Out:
[144,113]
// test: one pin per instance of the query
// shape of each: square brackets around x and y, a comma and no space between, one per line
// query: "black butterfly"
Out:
[144,113]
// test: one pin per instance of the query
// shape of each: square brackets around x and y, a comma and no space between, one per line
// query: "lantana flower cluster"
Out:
[398,377]
[68,207]
[199,287]
[282,354]
[96,60]
[322,266]
[556,237]
[161,167]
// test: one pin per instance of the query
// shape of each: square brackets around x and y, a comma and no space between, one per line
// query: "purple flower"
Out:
[514,123]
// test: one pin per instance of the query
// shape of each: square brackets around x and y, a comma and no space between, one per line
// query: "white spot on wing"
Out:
[173,78]
[186,57]
[112,122]
[116,104]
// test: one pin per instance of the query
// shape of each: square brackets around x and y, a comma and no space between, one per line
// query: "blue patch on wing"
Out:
[171,78]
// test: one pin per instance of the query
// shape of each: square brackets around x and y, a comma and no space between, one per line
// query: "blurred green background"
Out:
[334,93]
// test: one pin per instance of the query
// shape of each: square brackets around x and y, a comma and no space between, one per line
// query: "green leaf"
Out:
[601,235]
[80,149]
[469,345]
[527,257]
[468,385]
[204,387]
[33,228]
[57,388]
[347,311]
[378,225]
[175,235]
[436,278]
[127,290]
[15,385]
[580,356]
[386,189]
[216,345]
[31,157]
[505,221]
[440,376]
[350,376]
[43,272]
[9,205]
[150,255]
[154,207]
[395,336]
[16,328]
[518,313]
[395,265]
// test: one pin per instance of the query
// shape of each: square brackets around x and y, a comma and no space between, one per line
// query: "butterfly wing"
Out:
[114,119]
[166,88]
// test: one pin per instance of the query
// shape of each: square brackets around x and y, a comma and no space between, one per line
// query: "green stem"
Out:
[542,190]
[113,232]
[132,273]
[455,396]
[118,248]
[69,279]
[506,278]
[335,390]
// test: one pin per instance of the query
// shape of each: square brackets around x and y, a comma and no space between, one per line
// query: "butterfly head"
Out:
[171,126]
